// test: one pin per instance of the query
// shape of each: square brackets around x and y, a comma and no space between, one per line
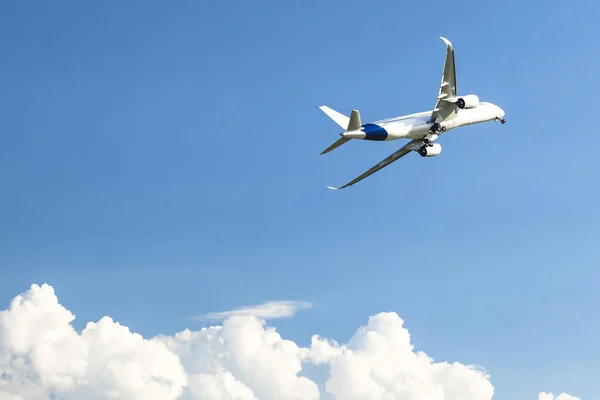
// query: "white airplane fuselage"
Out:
[416,126]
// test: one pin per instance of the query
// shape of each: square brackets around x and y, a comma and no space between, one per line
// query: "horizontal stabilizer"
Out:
[338,118]
[351,124]
[337,144]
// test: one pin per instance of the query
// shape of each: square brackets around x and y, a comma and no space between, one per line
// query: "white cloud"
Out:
[8,396]
[379,362]
[242,359]
[268,310]
[40,352]
[42,357]
[562,396]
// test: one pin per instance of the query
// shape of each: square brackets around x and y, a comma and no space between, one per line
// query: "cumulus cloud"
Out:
[8,396]
[379,362]
[43,357]
[562,396]
[41,353]
[268,310]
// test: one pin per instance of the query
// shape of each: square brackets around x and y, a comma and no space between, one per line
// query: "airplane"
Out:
[451,111]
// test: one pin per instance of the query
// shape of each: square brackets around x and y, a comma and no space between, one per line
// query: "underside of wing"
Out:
[445,107]
[410,146]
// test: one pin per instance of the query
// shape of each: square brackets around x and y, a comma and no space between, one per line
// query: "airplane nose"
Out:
[501,115]
[501,112]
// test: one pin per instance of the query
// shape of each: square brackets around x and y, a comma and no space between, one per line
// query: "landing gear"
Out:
[502,121]
[435,128]
[429,138]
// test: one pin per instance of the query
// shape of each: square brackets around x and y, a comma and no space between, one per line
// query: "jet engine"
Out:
[468,101]
[430,150]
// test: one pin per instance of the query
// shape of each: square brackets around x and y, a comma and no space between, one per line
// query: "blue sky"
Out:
[161,162]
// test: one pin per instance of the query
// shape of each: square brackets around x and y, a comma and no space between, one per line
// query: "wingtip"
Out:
[446,41]
[332,188]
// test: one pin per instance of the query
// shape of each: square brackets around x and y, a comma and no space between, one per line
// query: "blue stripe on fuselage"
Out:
[374,132]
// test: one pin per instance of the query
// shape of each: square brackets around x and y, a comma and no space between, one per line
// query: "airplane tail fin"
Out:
[348,124]
[354,123]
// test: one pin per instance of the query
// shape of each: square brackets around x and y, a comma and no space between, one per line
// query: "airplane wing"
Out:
[445,108]
[410,146]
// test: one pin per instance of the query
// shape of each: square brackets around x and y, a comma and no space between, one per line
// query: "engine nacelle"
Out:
[430,151]
[468,101]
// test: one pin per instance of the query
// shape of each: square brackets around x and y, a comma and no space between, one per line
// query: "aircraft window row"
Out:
[406,117]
